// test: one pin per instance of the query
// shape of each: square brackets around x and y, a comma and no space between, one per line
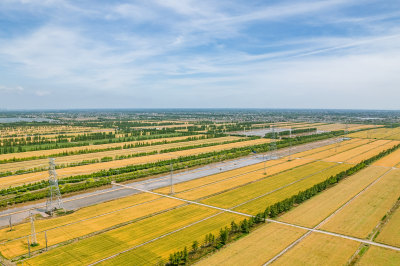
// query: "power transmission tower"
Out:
[54,201]
[33,231]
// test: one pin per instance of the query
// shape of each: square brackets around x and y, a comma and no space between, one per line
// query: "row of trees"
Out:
[212,242]
[56,145]
[86,151]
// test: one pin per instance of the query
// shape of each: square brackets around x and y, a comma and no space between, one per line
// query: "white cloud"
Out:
[42,93]
[199,50]
[8,89]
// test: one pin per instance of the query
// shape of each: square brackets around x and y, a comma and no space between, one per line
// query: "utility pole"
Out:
[45,238]
[265,170]
[33,231]
[29,247]
[171,181]
[9,220]
[290,144]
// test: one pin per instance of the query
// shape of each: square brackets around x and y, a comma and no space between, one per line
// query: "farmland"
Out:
[378,133]
[86,169]
[211,205]
[391,231]
[318,249]
[113,154]
[380,256]
[308,214]
[362,215]
[258,247]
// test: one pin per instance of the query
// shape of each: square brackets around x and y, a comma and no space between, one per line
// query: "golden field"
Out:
[378,133]
[159,250]
[390,234]
[237,181]
[391,160]
[347,155]
[108,243]
[319,249]
[256,248]
[258,205]
[248,192]
[380,256]
[316,209]
[361,216]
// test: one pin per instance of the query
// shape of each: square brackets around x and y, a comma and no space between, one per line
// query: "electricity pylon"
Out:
[171,180]
[54,201]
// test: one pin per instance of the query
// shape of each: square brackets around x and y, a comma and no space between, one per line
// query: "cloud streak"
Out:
[193,54]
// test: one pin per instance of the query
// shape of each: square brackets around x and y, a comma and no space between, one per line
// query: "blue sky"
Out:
[177,53]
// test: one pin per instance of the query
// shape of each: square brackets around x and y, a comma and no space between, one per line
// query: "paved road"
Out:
[86,199]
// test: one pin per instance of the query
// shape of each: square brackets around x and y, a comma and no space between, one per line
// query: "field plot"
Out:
[336,149]
[316,209]
[347,155]
[378,133]
[390,160]
[86,169]
[158,251]
[98,155]
[207,190]
[373,152]
[350,127]
[108,243]
[258,205]
[332,147]
[390,234]
[90,147]
[248,192]
[166,126]
[256,248]
[43,130]
[319,249]
[380,256]
[363,214]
